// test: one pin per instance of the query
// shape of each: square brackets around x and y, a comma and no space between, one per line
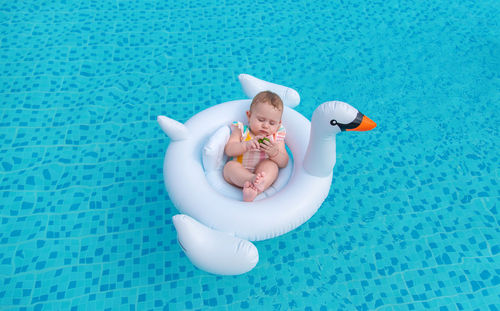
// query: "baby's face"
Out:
[264,119]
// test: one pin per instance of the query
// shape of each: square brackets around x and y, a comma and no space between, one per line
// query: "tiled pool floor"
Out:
[411,221]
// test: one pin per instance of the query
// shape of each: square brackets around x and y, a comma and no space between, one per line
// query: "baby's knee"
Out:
[271,163]
[268,166]
[227,168]
[227,171]
[230,165]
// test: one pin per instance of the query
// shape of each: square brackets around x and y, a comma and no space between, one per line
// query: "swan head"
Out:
[329,119]
[333,117]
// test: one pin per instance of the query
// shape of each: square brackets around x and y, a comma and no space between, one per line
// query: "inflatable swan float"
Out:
[215,226]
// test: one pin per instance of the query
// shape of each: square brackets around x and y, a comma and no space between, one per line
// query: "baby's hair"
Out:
[267,97]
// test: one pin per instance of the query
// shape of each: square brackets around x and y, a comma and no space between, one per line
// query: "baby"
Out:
[257,150]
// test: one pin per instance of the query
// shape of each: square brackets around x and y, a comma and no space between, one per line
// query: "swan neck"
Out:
[321,154]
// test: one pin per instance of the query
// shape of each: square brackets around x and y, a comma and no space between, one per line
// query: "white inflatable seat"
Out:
[214,159]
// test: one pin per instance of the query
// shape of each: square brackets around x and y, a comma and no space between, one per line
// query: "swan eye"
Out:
[333,122]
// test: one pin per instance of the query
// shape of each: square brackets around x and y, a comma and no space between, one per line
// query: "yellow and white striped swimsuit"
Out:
[251,158]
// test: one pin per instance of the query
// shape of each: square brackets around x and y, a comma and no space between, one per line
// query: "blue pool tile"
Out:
[411,219]
[413,226]
[109,196]
[18,229]
[158,296]
[76,224]
[424,286]
[118,299]
[467,216]
[39,255]
[17,69]
[452,248]
[130,218]
[7,260]
[16,204]
[40,136]
[109,248]
[407,251]
[118,275]
[17,290]
[482,272]
[52,285]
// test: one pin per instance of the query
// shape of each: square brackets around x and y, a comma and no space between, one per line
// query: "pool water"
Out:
[412,218]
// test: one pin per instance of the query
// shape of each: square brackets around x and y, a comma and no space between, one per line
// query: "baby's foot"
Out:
[249,192]
[258,181]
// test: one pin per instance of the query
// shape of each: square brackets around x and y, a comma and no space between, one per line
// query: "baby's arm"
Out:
[236,147]
[276,152]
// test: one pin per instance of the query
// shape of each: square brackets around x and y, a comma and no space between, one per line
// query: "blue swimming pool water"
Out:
[412,219]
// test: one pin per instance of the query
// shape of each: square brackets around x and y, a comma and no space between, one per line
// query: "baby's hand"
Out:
[253,144]
[269,147]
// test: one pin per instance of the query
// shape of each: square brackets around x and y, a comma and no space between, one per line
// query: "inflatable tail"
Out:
[174,129]
[252,86]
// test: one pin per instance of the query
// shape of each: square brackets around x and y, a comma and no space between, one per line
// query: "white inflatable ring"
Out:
[214,230]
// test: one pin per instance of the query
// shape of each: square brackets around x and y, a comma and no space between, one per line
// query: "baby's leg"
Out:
[236,174]
[266,173]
